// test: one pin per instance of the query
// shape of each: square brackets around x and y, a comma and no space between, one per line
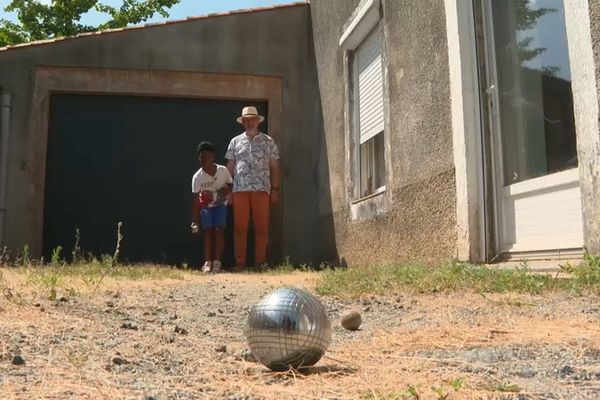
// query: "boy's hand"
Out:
[195,228]
[206,198]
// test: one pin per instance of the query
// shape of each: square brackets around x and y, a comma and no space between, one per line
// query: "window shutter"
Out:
[370,86]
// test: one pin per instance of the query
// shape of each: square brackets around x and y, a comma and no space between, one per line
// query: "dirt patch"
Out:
[184,340]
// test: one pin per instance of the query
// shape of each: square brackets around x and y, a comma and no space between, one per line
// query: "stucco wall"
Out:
[420,222]
[591,193]
[274,42]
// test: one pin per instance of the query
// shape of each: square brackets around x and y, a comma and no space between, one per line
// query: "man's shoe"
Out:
[262,267]
[239,268]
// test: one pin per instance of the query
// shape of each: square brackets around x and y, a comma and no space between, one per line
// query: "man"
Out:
[253,161]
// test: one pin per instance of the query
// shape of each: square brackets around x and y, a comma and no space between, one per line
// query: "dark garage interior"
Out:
[131,159]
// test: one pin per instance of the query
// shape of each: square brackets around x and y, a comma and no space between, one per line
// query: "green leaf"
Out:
[60,18]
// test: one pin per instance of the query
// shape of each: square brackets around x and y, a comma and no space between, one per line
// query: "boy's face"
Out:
[206,157]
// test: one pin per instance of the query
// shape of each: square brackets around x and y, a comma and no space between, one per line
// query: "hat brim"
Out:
[260,118]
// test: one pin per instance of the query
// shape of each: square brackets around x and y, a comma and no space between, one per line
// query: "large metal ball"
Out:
[288,328]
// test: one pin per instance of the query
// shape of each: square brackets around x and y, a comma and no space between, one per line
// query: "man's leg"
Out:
[260,218]
[241,216]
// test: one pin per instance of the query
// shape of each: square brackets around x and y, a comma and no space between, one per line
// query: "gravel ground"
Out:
[184,340]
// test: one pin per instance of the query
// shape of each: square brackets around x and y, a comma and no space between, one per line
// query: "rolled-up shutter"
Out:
[370,86]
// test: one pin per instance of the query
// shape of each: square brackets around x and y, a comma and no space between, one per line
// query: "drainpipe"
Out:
[5,104]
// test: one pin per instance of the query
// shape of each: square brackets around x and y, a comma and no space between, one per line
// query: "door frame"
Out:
[99,81]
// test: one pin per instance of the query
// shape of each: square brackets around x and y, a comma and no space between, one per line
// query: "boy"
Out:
[210,186]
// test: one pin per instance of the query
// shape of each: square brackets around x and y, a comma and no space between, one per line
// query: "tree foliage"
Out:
[38,21]
[527,19]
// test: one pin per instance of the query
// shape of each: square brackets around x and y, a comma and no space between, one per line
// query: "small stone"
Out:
[119,360]
[351,320]
[221,349]
[220,311]
[206,332]
[18,360]
[566,370]
[174,316]
[129,325]
[526,373]
[110,304]
[211,314]
[180,330]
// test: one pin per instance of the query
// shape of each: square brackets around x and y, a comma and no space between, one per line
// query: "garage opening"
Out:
[131,159]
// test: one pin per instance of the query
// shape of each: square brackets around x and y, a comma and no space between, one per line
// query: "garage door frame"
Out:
[50,80]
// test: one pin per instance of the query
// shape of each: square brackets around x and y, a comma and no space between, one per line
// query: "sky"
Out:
[186,8]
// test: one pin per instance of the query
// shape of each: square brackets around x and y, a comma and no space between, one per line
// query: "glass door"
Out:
[533,140]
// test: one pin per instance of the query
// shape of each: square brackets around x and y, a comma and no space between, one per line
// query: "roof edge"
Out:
[154,25]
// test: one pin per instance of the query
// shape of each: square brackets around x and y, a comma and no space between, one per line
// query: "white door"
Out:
[536,189]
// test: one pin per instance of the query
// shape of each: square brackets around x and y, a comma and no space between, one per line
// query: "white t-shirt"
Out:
[204,182]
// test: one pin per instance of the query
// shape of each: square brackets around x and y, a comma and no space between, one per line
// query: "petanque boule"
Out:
[288,328]
[351,319]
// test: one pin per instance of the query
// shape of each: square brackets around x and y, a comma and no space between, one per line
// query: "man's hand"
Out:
[195,228]
[222,195]
[274,196]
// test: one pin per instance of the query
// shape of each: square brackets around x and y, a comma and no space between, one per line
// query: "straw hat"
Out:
[250,112]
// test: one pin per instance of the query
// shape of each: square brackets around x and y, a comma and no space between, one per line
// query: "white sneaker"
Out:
[216,266]
[207,267]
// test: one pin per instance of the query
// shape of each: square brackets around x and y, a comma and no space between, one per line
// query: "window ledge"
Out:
[378,192]
[371,206]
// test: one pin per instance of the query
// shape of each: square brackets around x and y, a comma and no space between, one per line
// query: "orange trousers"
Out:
[255,205]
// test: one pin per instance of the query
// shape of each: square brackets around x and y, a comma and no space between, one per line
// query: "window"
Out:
[369,116]
[534,88]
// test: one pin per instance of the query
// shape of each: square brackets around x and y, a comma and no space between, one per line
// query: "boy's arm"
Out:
[195,212]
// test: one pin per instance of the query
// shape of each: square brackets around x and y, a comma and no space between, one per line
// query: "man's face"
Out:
[206,157]
[251,123]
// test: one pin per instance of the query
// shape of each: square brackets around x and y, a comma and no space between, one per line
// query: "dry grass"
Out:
[68,356]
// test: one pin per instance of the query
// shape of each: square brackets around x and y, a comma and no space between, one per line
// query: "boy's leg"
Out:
[260,218]
[206,219]
[220,221]
[209,235]
[241,216]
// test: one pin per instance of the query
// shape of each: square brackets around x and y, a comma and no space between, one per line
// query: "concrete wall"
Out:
[275,42]
[420,222]
[591,185]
